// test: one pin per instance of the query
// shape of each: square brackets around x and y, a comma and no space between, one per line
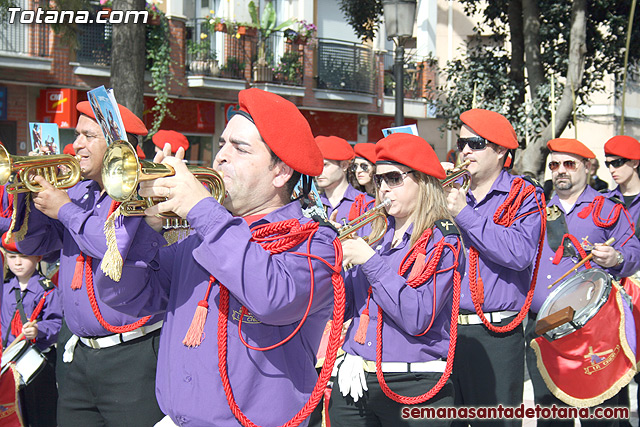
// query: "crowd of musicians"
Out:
[265,314]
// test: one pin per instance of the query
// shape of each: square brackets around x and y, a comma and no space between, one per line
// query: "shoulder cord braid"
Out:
[595,208]
[428,269]
[506,215]
[358,207]
[276,238]
[85,263]
[16,322]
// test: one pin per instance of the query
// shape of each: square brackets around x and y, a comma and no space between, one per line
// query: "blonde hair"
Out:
[431,206]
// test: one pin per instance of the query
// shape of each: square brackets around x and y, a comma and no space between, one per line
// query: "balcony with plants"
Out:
[23,45]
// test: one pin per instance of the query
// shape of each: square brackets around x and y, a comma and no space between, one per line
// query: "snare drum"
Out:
[28,360]
[586,293]
[587,351]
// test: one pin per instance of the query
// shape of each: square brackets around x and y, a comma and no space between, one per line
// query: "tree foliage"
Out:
[364,16]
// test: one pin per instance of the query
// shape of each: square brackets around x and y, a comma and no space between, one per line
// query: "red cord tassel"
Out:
[76,282]
[361,333]
[16,324]
[193,338]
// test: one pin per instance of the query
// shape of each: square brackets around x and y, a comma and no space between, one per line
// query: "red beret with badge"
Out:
[283,128]
[9,246]
[366,150]
[492,126]
[176,139]
[335,148]
[409,150]
[132,124]
[570,146]
[623,146]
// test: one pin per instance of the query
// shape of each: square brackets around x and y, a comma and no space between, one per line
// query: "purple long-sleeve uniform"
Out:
[80,227]
[407,311]
[270,387]
[50,316]
[506,254]
[585,228]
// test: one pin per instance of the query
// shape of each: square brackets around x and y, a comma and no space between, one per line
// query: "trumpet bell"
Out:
[364,219]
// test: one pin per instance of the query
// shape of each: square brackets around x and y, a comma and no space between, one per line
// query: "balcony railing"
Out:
[23,39]
[346,66]
[94,44]
[417,75]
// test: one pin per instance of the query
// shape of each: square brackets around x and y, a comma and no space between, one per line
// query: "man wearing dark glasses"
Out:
[489,364]
[579,221]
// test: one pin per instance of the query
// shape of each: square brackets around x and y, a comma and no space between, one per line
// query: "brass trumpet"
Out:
[355,224]
[122,171]
[457,172]
[18,171]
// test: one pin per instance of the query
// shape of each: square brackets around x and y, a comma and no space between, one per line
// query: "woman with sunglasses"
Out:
[401,296]
[622,154]
[363,167]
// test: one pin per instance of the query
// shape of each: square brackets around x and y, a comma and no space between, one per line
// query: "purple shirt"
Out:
[633,208]
[51,314]
[506,254]
[270,387]
[582,228]
[407,311]
[79,228]
[344,206]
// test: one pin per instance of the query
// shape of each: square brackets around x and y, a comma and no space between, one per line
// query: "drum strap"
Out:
[556,229]
[20,311]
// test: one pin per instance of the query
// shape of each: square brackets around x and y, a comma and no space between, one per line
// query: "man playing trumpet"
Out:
[500,223]
[579,220]
[282,295]
[108,374]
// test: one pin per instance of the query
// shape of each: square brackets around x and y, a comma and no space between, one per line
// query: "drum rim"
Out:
[567,328]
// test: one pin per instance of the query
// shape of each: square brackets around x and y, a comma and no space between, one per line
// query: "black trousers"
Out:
[113,386]
[488,370]
[39,398]
[543,396]
[375,409]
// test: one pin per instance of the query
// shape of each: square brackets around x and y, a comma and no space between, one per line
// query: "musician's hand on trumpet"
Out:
[355,250]
[604,255]
[51,199]
[456,193]
[182,190]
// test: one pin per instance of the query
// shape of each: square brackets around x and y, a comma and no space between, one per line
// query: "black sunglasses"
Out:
[616,163]
[570,165]
[475,143]
[393,178]
[364,166]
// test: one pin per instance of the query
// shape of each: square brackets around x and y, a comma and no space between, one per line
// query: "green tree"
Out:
[578,42]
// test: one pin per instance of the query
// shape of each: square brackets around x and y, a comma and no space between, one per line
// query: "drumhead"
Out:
[585,292]
[13,353]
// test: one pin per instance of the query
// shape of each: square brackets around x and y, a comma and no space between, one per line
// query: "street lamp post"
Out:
[399,17]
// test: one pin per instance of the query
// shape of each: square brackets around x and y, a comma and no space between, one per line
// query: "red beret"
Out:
[623,146]
[571,146]
[176,139]
[410,150]
[367,151]
[335,148]
[132,124]
[11,245]
[284,129]
[492,126]
[68,149]
[140,152]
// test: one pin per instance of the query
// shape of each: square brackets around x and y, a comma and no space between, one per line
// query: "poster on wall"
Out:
[45,138]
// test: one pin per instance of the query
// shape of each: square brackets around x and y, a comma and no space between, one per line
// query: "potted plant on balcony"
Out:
[289,70]
[303,34]
[233,68]
[266,25]
[202,57]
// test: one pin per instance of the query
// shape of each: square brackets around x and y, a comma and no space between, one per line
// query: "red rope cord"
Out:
[506,215]
[265,236]
[453,334]
[88,268]
[16,322]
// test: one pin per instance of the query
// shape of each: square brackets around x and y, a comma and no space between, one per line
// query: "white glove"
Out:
[69,347]
[351,378]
